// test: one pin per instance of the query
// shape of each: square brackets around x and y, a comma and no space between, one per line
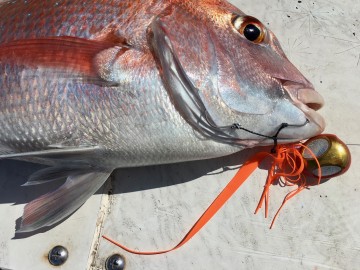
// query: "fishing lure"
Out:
[301,164]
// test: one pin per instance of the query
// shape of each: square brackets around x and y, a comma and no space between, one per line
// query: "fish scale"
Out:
[90,86]
[56,18]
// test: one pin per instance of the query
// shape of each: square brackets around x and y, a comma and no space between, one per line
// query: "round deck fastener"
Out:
[58,255]
[115,262]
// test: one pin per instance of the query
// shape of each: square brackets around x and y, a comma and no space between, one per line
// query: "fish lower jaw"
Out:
[313,126]
[316,123]
[296,134]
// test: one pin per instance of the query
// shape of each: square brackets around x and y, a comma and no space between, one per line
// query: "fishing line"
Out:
[240,127]
[274,137]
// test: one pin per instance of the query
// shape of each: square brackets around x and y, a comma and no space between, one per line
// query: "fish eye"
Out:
[252,32]
[249,27]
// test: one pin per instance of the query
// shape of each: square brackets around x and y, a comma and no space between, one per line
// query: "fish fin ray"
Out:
[54,152]
[70,57]
[59,204]
[56,173]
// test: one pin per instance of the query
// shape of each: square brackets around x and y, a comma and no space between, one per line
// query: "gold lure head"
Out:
[333,155]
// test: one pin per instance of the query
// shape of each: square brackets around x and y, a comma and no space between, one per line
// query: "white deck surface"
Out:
[152,208]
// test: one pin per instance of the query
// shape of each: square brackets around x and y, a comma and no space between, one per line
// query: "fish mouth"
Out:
[310,98]
[304,94]
[309,101]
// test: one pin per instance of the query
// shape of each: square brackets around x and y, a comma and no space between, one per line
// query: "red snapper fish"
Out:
[90,86]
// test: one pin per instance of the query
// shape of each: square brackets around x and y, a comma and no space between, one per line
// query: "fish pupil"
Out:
[252,32]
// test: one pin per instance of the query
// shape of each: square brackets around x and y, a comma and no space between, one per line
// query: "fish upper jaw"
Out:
[307,100]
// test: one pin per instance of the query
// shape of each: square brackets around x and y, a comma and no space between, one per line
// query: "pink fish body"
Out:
[90,86]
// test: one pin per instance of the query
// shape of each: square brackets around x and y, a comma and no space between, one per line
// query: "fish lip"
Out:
[304,93]
[308,100]
[311,98]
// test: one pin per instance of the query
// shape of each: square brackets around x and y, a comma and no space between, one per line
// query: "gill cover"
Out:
[205,111]
[182,91]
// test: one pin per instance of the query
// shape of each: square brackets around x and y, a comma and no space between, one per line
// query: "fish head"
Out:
[229,77]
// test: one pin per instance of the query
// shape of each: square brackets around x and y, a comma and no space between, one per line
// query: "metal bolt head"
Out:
[115,262]
[58,255]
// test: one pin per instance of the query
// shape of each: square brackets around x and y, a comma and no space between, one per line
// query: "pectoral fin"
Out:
[66,56]
[57,205]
